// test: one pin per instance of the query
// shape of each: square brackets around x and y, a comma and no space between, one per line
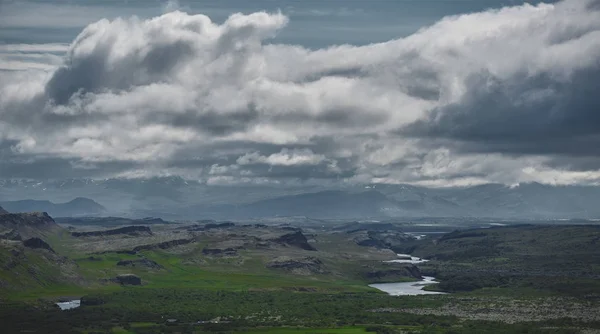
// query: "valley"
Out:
[213,276]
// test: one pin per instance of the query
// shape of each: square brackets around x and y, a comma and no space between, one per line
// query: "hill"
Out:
[176,198]
[27,225]
[27,268]
[77,207]
[554,258]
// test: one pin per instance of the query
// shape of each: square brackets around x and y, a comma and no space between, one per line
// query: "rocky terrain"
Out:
[127,230]
[511,310]
[300,266]
[140,263]
[548,266]
[37,243]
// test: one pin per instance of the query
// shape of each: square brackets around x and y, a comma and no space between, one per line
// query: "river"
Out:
[407,288]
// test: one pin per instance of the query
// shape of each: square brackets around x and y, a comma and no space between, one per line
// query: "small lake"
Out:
[69,305]
[407,288]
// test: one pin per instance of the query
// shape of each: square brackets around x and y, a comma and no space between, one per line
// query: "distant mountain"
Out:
[529,201]
[2,211]
[175,198]
[77,207]
[323,204]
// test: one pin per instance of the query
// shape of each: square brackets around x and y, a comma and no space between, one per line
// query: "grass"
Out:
[218,275]
[279,330]
[214,275]
[240,289]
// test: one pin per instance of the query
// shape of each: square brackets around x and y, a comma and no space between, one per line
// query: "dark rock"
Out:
[140,263]
[91,301]
[296,239]
[220,225]
[151,220]
[382,239]
[37,220]
[127,279]
[37,243]
[220,251]
[362,226]
[389,275]
[305,265]
[129,230]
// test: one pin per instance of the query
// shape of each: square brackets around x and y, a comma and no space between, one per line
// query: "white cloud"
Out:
[284,158]
[165,90]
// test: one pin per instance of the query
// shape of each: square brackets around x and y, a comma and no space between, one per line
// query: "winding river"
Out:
[407,288]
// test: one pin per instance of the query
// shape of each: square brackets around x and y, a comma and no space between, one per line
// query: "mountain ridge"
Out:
[77,207]
[176,198]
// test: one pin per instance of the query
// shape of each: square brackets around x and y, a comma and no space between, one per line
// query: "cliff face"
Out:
[28,225]
[393,274]
[127,230]
[296,239]
[301,266]
[34,219]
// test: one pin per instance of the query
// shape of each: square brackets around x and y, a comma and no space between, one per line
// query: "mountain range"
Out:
[176,198]
[77,207]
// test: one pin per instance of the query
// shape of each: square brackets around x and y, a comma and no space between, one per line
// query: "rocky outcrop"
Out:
[127,230]
[302,266]
[127,279]
[209,225]
[13,235]
[218,225]
[163,245]
[37,243]
[296,239]
[381,239]
[145,263]
[392,275]
[91,301]
[27,221]
[219,251]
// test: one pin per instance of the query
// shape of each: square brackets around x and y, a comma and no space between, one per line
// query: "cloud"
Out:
[506,101]
[49,47]
[283,158]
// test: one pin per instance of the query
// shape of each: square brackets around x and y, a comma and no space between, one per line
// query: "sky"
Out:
[434,93]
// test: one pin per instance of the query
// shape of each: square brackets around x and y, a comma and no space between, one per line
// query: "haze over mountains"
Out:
[176,198]
[77,207]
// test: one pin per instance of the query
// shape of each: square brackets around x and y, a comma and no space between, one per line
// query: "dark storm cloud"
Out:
[523,115]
